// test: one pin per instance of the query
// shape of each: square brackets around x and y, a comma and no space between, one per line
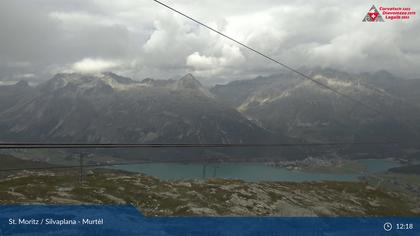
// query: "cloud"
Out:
[3,83]
[200,62]
[25,76]
[142,39]
[230,57]
[89,65]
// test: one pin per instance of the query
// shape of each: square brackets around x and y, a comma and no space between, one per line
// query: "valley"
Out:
[368,170]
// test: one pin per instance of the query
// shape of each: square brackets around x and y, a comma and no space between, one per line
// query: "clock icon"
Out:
[387,226]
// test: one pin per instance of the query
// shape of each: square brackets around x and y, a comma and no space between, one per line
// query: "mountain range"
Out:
[388,108]
[108,108]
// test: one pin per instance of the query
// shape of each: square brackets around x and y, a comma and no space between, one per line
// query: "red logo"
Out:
[373,15]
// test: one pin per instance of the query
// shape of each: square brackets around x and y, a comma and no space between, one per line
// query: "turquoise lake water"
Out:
[249,171]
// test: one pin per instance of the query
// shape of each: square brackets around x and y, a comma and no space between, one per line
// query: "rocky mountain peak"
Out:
[188,82]
[117,78]
[89,81]
[22,84]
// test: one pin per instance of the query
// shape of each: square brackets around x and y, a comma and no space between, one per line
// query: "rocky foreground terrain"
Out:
[205,197]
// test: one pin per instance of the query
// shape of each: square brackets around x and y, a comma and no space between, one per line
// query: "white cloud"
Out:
[89,65]
[230,57]
[111,35]
[6,83]
[25,76]
[200,62]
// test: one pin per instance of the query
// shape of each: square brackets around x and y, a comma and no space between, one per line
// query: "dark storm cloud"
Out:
[142,39]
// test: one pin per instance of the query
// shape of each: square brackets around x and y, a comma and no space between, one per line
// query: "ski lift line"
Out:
[272,59]
[133,145]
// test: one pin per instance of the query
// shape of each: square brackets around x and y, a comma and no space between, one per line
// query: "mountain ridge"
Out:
[302,109]
[109,108]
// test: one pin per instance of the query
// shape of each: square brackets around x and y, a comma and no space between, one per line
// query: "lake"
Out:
[247,171]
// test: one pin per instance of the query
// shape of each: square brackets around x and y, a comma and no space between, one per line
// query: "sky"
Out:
[141,39]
